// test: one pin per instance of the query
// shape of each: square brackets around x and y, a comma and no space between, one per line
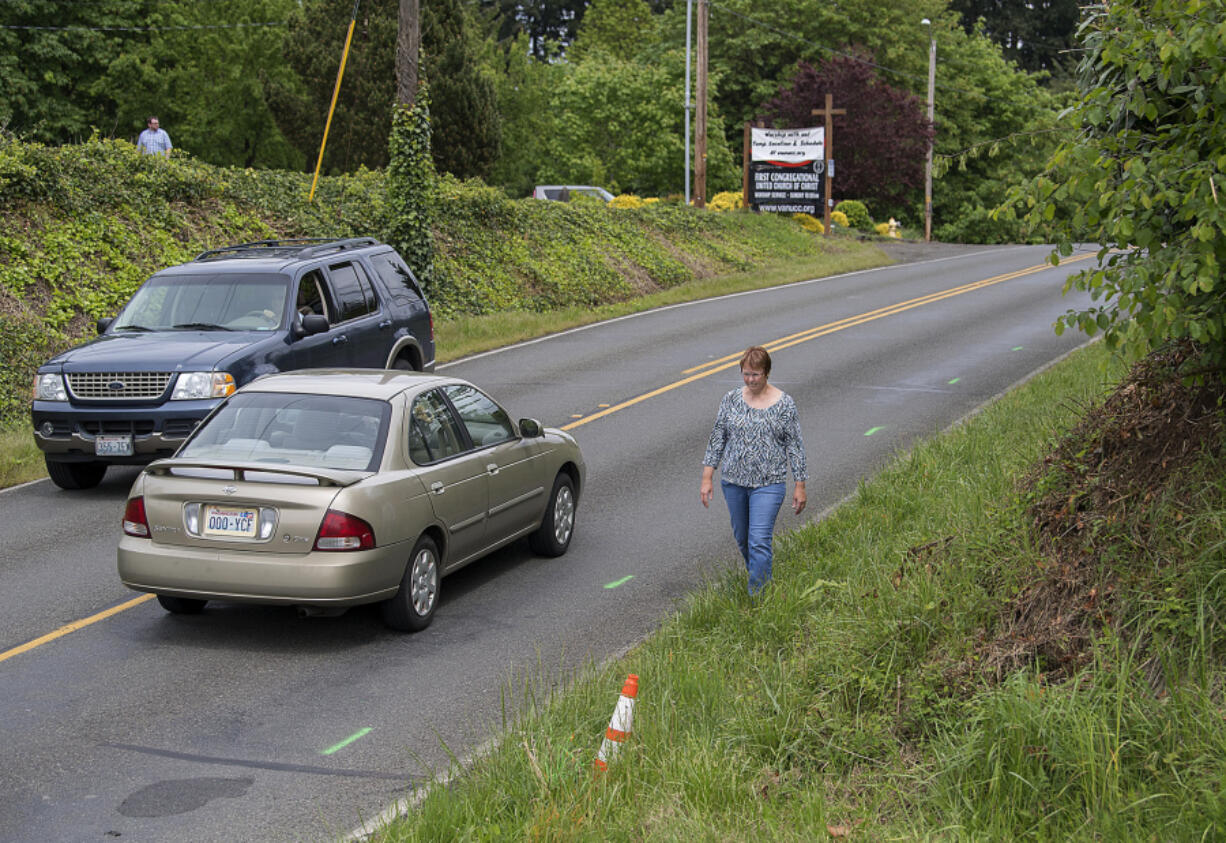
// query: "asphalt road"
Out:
[250,723]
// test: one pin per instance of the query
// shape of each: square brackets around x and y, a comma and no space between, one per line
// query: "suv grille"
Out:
[118,384]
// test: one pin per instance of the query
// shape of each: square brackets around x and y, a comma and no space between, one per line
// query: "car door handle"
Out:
[492,468]
[437,487]
[341,339]
[386,323]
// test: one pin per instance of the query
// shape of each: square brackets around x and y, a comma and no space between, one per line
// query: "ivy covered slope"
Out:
[82,226]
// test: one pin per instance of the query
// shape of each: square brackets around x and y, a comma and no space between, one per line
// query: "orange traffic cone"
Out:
[619,723]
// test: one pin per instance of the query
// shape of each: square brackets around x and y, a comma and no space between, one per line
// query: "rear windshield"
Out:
[316,431]
[207,302]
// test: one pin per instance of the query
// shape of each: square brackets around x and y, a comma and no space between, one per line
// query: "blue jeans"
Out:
[753,514]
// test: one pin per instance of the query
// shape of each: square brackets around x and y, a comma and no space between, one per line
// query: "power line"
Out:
[140,28]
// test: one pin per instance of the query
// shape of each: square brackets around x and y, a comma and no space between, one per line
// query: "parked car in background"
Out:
[194,333]
[566,192]
[326,489]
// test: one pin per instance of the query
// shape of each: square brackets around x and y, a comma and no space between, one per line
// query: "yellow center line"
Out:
[74,626]
[710,368]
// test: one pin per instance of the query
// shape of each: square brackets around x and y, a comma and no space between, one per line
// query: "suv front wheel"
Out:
[76,475]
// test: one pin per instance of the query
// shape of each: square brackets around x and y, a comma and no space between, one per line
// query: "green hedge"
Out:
[82,226]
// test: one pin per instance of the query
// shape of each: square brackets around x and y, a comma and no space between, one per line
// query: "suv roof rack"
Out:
[299,247]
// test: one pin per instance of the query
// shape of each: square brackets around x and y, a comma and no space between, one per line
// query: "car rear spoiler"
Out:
[324,476]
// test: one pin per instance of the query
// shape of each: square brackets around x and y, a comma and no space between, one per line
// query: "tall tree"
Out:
[551,25]
[1036,34]
[621,28]
[202,67]
[361,122]
[523,89]
[756,46]
[996,126]
[619,124]
[206,71]
[466,134]
[53,56]
[464,122]
[882,140]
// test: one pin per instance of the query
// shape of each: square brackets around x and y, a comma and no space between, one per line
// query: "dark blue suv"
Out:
[194,333]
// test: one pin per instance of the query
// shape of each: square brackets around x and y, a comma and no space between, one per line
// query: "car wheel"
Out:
[76,475]
[404,364]
[553,536]
[181,605]
[413,606]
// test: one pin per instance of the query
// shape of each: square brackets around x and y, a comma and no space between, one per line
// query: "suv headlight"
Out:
[203,385]
[49,386]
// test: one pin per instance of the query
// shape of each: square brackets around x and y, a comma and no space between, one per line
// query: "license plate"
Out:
[229,521]
[113,446]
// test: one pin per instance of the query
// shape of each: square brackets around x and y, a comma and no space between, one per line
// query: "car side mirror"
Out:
[104,323]
[314,323]
[530,428]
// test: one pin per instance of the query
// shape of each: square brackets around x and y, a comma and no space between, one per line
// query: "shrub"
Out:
[839,218]
[626,200]
[726,201]
[857,214]
[810,223]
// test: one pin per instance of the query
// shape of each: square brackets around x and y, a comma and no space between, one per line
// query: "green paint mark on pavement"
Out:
[1018,348]
[955,380]
[361,733]
[872,430]
[622,581]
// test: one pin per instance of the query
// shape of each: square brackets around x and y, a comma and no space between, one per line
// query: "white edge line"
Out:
[663,308]
[23,485]
[402,807]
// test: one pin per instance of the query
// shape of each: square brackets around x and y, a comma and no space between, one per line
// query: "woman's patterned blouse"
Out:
[756,446]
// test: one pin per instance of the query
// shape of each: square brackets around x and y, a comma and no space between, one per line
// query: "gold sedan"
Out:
[326,489]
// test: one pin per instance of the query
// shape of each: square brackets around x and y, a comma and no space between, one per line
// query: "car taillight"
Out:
[134,521]
[342,531]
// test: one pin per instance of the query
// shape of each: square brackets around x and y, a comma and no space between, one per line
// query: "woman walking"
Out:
[755,439]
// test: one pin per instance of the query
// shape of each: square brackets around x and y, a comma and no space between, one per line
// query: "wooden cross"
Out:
[828,113]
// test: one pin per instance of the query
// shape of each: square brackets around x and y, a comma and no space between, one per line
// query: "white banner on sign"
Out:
[788,145]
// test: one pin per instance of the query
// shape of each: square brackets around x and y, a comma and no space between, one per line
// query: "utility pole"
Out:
[932,74]
[408,46]
[700,124]
[689,15]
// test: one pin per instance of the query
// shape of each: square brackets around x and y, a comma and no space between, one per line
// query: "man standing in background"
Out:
[153,141]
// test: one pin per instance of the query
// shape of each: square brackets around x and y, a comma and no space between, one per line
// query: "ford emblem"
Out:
[229,490]
[116,386]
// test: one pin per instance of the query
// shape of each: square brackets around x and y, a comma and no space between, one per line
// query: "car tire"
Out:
[75,475]
[552,538]
[181,605]
[412,608]
[404,364]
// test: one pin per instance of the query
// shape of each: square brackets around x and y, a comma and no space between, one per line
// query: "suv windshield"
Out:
[324,431]
[224,302]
